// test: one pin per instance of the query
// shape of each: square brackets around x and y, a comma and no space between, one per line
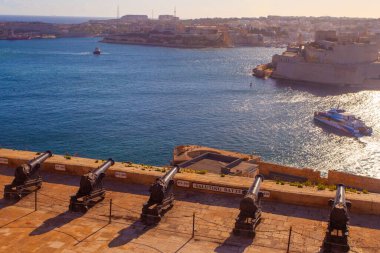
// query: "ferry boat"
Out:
[343,121]
[97,51]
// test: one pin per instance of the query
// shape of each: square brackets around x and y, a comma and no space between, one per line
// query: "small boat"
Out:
[97,51]
[343,121]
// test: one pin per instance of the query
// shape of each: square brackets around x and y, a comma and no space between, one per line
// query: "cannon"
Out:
[337,230]
[27,178]
[161,198]
[250,209]
[91,190]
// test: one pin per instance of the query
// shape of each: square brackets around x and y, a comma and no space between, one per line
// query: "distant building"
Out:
[326,35]
[134,18]
[343,60]
[168,18]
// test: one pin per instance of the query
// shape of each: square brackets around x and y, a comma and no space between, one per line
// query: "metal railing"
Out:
[109,211]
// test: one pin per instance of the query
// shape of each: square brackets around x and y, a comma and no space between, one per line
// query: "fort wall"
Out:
[210,183]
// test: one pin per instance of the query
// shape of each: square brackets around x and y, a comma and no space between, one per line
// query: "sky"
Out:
[193,8]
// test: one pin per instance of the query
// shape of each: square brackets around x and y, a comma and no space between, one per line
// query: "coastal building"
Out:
[167,18]
[243,38]
[171,34]
[333,59]
[134,18]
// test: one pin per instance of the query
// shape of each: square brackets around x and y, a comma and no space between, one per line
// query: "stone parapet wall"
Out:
[354,181]
[209,183]
[266,169]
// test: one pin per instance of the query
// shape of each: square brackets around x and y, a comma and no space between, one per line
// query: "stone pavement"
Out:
[53,229]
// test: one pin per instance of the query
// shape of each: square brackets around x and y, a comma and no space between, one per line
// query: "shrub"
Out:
[222,175]
[201,172]
[365,191]
[321,187]
[67,156]
[38,153]
[332,187]
[96,161]
[282,182]
[308,183]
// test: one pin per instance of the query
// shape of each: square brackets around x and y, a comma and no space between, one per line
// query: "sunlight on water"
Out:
[136,103]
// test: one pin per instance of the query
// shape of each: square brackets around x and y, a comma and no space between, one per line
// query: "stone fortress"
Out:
[343,59]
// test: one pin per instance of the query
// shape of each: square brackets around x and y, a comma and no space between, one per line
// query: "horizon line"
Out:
[242,17]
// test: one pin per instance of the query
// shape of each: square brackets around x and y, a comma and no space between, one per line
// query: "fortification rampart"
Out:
[210,183]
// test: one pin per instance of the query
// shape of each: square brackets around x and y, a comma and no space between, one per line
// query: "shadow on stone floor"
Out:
[126,235]
[6,203]
[310,213]
[234,244]
[55,222]
[319,214]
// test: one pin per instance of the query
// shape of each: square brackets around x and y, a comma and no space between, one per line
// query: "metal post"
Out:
[290,235]
[193,235]
[35,200]
[109,219]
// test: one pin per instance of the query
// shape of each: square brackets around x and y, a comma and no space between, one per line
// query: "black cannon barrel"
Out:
[40,159]
[340,197]
[255,187]
[169,175]
[251,201]
[104,167]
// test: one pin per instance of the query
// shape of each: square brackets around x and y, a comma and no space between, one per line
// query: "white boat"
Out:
[343,121]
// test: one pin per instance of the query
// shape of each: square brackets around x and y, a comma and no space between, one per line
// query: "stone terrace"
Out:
[53,229]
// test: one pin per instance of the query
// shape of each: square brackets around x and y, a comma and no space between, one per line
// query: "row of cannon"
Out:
[91,191]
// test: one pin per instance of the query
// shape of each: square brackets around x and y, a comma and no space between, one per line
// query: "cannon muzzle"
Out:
[103,168]
[250,209]
[40,159]
[340,198]
[169,175]
[249,203]
[91,187]
[338,226]
[27,177]
[25,170]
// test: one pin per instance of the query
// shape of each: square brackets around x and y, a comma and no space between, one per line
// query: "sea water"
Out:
[136,103]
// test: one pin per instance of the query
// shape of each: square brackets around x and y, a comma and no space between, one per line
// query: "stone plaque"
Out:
[60,167]
[216,188]
[120,174]
[182,183]
[3,161]
[266,194]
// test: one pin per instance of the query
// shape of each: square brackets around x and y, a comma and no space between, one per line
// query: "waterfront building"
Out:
[333,59]
[134,18]
[167,18]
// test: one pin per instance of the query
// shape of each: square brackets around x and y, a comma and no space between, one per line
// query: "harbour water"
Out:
[47,19]
[136,103]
